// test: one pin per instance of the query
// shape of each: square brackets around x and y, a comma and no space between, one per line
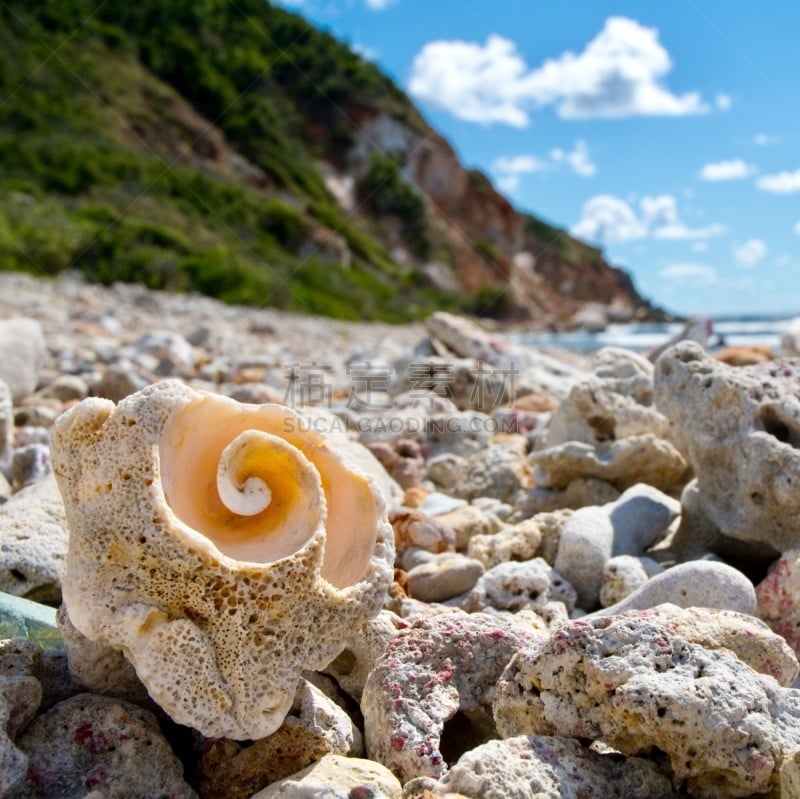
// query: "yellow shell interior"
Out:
[277,481]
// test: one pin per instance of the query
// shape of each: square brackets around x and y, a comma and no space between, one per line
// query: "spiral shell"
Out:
[222,547]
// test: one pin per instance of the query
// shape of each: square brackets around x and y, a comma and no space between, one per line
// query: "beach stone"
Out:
[351,668]
[790,776]
[5,489]
[595,415]
[20,697]
[437,504]
[172,352]
[33,543]
[749,638]
[529,585]
[22,658]
[632,682]
[31,413]
[65,388]
[22,353]
[402,459]
[546,767]
[413,528]
[337,777]
[492,505]
[444,577]
[99,668]
[6,426]
[21,618]
[747,355]
[499,472]
[624,372]
[467,522]
[642,458]
[445,470]
[92,743]
[579,493]
[414,496]
[593,535]
[463,433]
[315,727]
[740,428]
[119,381]
[778,598]
[623,574]
[429,697]
[30,464]
[698,583]
[536,537]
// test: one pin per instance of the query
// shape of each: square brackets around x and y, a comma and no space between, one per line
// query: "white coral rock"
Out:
[222,547]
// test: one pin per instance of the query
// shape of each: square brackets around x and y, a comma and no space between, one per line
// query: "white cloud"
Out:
[750,253]
[606,218]
[698,273]
[796,227]
[723,101]
[378,5]
[519,164]
[618,74]
[726,170]
[781,183]
[509,169]
[578,159]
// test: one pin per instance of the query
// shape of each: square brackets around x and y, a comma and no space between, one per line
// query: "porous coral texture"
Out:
[222,547]
[740,428]
[634,683]
[431,671]
[545,767]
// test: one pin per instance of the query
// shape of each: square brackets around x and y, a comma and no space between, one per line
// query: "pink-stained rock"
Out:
[93,743]
[545,767]
[778,598]
[437,670]
[636,683]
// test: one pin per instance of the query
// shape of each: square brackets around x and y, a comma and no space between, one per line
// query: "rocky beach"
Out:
[246,553]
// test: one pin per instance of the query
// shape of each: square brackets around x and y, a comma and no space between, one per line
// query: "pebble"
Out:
[22,354]
[337,777]
[111,747]
[436,504]
[698,583]
[506,487]
[443,577]
[593,535]
[33,543]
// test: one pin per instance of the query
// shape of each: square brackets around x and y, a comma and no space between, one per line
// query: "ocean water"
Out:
[730,332]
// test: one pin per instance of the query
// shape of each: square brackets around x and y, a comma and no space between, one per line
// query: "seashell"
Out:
[222,547]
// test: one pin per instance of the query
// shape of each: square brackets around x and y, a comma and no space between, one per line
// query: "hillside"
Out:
[233,149]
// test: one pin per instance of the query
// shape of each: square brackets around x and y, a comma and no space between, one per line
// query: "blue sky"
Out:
[667,132]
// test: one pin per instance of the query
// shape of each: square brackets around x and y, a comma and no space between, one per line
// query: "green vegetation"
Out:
[383,188]
[175,144]
[105,167]
[568,248]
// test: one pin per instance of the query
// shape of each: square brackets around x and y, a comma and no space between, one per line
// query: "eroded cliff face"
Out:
[481,243]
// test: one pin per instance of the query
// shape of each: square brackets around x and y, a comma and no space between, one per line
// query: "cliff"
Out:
[234,149]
